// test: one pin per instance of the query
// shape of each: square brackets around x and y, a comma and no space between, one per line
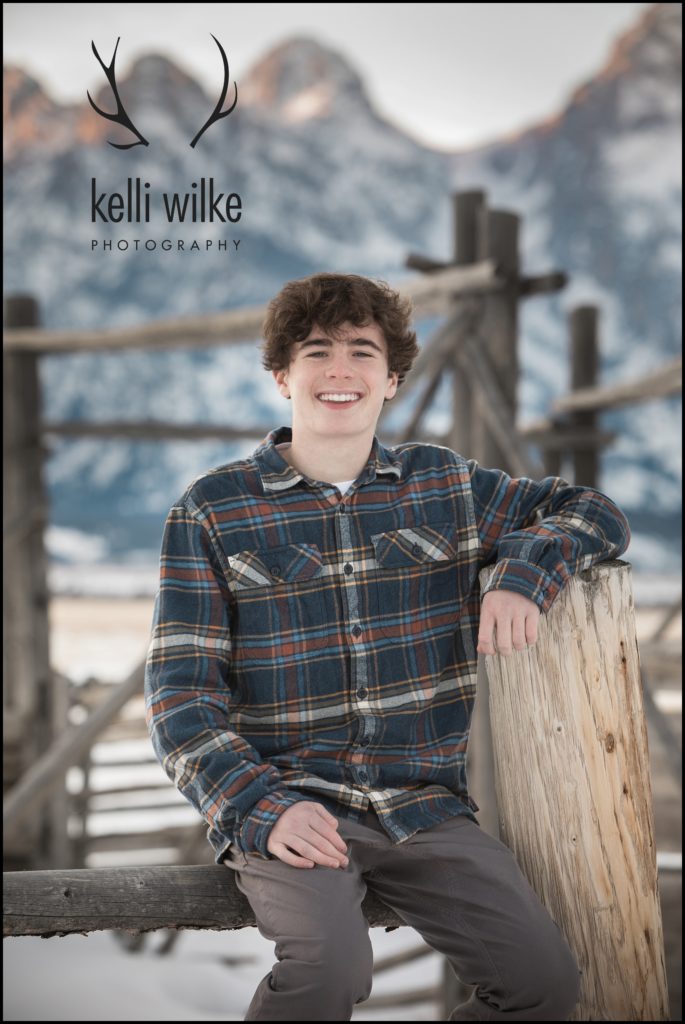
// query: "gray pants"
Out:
[458,887]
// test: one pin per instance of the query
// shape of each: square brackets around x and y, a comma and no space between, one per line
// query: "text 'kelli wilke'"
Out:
[199,206]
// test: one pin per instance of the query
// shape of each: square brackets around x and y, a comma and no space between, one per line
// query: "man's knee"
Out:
[348,969]
[337,974]
[558,981]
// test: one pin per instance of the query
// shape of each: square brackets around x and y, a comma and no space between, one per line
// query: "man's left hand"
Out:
[512,617]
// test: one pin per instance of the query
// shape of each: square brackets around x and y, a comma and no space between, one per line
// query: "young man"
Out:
[312,670]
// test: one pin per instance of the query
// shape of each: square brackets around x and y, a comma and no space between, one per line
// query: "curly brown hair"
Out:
[329,300]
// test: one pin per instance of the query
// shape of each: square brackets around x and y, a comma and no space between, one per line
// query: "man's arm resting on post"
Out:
[539,533]
[187,699]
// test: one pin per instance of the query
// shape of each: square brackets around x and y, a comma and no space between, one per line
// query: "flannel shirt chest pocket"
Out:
[423,571]
[279,600]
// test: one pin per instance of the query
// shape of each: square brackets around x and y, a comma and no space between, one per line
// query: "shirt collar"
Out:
[277,474]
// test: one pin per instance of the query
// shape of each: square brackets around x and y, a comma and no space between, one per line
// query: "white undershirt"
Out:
[342,485]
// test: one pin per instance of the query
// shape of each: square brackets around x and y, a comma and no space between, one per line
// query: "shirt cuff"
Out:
[256,828]
[524,578]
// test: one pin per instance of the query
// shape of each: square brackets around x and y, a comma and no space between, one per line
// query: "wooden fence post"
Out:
[466,207]
[28,706]
[498,234]
[80,809]
[496,239]
[584,369]
[574,794]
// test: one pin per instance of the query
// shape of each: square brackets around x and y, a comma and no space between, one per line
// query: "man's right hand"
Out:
[306,834]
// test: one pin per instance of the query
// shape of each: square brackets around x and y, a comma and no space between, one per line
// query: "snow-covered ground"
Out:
[205,976]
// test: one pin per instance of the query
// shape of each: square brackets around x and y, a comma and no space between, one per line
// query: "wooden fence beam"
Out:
[151,431]
[441,358]
[434,293]
[413,427]
[429,295]
[440,344]
[434,352]
[555,436]
[137,899]
[670,615]
[542,284]
[232,326]
[574,795]
[475,363]
[662,383]
[36,786]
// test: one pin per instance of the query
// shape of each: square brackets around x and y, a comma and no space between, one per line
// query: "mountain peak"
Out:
[30,114]
[154,70]
[20,88]
[301,78]
[154,90]
[149,78]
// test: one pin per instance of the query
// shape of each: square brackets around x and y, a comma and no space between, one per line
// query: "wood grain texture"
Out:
[574,794]
[137,899]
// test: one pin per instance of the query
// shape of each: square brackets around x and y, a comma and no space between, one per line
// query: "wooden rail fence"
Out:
[572,778]
[478,291]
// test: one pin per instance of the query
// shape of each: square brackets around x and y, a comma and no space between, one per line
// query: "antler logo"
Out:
[122,118]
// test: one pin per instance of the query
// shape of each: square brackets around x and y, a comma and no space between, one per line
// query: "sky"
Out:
[451,75]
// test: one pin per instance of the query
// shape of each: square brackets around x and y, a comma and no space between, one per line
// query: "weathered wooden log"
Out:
[28,691]
[429,295]
[178,432]
[662,383]
[439,358]
[574,794]
[137,899]
[495,410]
[548,434]
[670,615]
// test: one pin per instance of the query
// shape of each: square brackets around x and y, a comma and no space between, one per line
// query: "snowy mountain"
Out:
[326,183]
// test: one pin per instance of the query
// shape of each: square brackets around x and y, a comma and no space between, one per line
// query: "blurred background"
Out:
[356,128]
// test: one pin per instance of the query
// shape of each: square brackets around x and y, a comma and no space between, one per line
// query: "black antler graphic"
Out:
[216,116]
[121,117]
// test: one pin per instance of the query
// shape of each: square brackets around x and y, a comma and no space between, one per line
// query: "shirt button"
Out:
[356,630]
[348,569]
[362,693]
[275,569]
[342,508]
[416,550]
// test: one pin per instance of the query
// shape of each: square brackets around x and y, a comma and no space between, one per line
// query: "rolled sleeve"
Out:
[539,533]
[524,578]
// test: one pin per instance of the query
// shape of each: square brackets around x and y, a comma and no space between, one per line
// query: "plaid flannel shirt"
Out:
[313,646]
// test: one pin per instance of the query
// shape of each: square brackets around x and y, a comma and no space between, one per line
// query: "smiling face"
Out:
[338,384]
